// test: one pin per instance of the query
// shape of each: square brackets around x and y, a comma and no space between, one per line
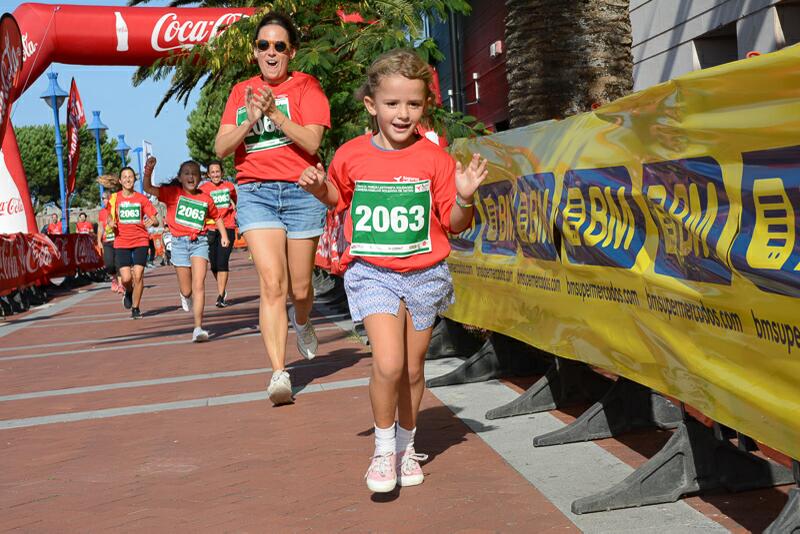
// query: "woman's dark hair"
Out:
[279,19]
[82,213]
[127,169]
[215,162]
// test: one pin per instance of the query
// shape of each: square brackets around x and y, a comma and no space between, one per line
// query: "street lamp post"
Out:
[139,183]
[54,96]
[122,148]
[97,128]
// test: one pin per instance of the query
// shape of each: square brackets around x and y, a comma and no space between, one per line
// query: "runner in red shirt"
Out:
[131,214]
[83,226]
[105,242]
[403,194]
[54,228]
[274,124]
[187,210]
[224,195]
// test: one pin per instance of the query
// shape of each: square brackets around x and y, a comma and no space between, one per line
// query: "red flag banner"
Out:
[75,119]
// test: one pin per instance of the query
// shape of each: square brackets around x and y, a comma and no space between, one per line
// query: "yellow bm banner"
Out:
[657,237]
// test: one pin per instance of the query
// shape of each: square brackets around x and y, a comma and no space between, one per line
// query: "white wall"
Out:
[668,33]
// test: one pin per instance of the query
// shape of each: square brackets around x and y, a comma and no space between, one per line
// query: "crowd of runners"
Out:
[401,192]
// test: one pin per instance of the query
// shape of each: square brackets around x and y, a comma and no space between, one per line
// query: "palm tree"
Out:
[565,56]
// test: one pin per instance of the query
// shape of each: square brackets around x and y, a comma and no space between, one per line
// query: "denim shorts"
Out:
[276,204]
[183,249]
[372,289]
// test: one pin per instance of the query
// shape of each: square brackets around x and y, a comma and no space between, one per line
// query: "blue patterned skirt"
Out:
[372,289]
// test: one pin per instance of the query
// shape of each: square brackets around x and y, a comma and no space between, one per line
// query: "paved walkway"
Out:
[112,424]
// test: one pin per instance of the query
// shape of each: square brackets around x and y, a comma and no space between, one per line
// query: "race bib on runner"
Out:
[109,234]
[130,213]
[391,219]
[221,198]
[265,135]
[191,213]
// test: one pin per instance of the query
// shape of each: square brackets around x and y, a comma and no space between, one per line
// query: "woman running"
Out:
[223,193]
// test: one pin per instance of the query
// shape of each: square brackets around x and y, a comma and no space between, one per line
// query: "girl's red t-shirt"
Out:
[266,153]
[187,212]
[224,197]
[398,202]
[129,212]
[84,227]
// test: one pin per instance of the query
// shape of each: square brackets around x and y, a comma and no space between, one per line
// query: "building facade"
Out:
[670,38]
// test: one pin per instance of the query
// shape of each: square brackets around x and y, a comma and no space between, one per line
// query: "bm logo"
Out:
[689,204]
[601,222]
[767,248]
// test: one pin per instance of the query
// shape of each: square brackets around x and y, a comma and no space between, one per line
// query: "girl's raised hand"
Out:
[312,179]
[468,180]
[149,165]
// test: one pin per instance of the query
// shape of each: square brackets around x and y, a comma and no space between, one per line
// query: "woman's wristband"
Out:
[462,203]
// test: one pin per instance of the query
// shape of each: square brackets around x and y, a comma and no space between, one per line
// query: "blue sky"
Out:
[123,108]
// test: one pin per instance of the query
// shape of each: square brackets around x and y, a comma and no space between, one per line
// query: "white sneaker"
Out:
[199,335]
[280,388]
[306,337]
[186,302]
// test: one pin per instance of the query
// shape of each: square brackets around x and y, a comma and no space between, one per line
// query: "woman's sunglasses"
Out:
[279,46]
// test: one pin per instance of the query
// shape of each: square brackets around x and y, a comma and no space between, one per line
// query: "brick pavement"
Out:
[243,466]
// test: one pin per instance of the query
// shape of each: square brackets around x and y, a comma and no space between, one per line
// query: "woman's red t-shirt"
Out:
[84,227]
[187,212]
[129,212]
[422,179]
[267,154]
[224,197]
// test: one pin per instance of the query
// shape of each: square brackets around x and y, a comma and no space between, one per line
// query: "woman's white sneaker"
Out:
[307,342]
[280,388]
[199,335]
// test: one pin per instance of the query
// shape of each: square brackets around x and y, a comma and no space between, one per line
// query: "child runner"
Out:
[83,226]
[404,194]
[130,215]
[224,195]
[105,242]
[187,210]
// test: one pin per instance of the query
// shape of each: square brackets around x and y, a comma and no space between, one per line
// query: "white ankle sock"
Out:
[384,440]
[404,438]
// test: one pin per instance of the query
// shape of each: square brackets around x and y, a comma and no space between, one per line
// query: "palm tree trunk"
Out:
[565,55]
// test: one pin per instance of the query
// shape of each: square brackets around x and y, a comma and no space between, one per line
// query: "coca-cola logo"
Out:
[28,47]
[171,33]
[12,206]
[10,268]
[85,253]
[37,253]
[10,64]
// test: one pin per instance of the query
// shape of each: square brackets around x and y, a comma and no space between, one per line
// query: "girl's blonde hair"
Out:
[401,62]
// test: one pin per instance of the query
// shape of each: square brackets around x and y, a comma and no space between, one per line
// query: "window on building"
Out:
[789,21]
[716,47]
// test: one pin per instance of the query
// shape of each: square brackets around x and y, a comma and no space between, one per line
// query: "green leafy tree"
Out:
[36,147]
[337,53]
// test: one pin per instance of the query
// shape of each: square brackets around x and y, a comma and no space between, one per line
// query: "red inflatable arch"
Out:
[93,35]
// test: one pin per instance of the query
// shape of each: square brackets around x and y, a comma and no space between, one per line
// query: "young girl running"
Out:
[404,194]
[105,236]
[187,210]
[130,215]
[224,195]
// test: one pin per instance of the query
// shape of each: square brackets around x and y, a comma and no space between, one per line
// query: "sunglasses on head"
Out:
[279,46]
